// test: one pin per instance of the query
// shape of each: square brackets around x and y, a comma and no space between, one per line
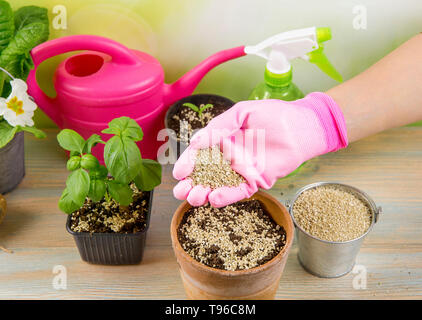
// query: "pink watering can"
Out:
[110,81]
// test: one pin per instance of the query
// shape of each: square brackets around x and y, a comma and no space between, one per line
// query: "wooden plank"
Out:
[386,166]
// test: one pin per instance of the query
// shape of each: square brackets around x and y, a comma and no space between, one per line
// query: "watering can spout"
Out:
[188,82]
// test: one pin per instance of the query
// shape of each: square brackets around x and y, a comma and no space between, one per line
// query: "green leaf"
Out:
[100,172]
[122,158]
[149,175]
[29,14]
[66,204]
[7,25]
[18,36]
[125,127]
[89,162]
[203,108]
[120,192]
[71,141]
[78,184]
[7,132]
[97,190]
[92,142]
[192,106]
[32,28]
[36,132]
[73,163]
[16,58]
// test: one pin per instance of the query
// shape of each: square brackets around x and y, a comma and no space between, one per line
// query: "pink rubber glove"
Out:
[290,132]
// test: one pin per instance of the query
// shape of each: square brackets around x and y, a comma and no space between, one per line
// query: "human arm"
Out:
[386,95]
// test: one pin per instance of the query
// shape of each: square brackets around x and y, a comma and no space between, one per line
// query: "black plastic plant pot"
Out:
[177,147]
[112,248]
[12,163]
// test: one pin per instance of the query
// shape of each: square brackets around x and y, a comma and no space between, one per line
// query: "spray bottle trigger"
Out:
[318,58]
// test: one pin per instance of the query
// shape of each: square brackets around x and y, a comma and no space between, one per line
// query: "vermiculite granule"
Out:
[212,170]
[236,237]
[332,214]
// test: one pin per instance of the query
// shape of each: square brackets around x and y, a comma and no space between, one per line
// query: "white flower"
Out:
[18,108]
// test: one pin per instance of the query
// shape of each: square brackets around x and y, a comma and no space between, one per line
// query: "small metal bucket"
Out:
[330,259]
[12,163]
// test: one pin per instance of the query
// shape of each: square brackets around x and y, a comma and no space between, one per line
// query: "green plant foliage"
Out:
[30,28]
[73,163]
[71,141]
[7,24]
[124,165]
[120,192]
[66,204]
[7,132]
[97,189]
[89,162]
[197,109]
[20,31]
[125,127]
[149,175]
[78,185]
[122,158]
[92,142]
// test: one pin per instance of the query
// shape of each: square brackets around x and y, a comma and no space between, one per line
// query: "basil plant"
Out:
[124,165]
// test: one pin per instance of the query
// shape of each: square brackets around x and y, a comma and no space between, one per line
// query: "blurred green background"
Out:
[180,33]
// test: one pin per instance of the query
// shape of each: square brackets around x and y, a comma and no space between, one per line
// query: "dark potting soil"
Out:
[185,121]
[236,237]
[108,217]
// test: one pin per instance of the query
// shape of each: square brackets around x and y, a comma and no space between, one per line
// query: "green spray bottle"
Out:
[279,50]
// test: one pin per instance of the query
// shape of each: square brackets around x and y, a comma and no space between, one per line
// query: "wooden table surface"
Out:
[387,166]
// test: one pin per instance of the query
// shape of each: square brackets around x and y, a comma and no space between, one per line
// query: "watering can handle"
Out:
[119,54]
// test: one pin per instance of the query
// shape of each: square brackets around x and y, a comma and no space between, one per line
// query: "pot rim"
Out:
[239,273]
[12,142]
[375,211]
[174,105]
[114,234]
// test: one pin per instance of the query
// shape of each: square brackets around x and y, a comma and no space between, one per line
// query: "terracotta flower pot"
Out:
[203,282]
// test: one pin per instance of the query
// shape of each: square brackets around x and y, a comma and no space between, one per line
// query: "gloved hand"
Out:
[286,134]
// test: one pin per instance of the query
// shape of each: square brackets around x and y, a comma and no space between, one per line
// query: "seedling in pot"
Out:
[193,113]
[197,109]
[124,175]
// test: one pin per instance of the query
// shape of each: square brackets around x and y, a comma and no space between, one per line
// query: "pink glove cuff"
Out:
[331,118]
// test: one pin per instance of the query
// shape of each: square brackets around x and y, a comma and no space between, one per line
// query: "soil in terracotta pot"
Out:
[108,217]
[185,121]
[236,237]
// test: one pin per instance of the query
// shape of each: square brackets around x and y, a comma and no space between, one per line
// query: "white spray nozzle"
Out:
[278,50]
